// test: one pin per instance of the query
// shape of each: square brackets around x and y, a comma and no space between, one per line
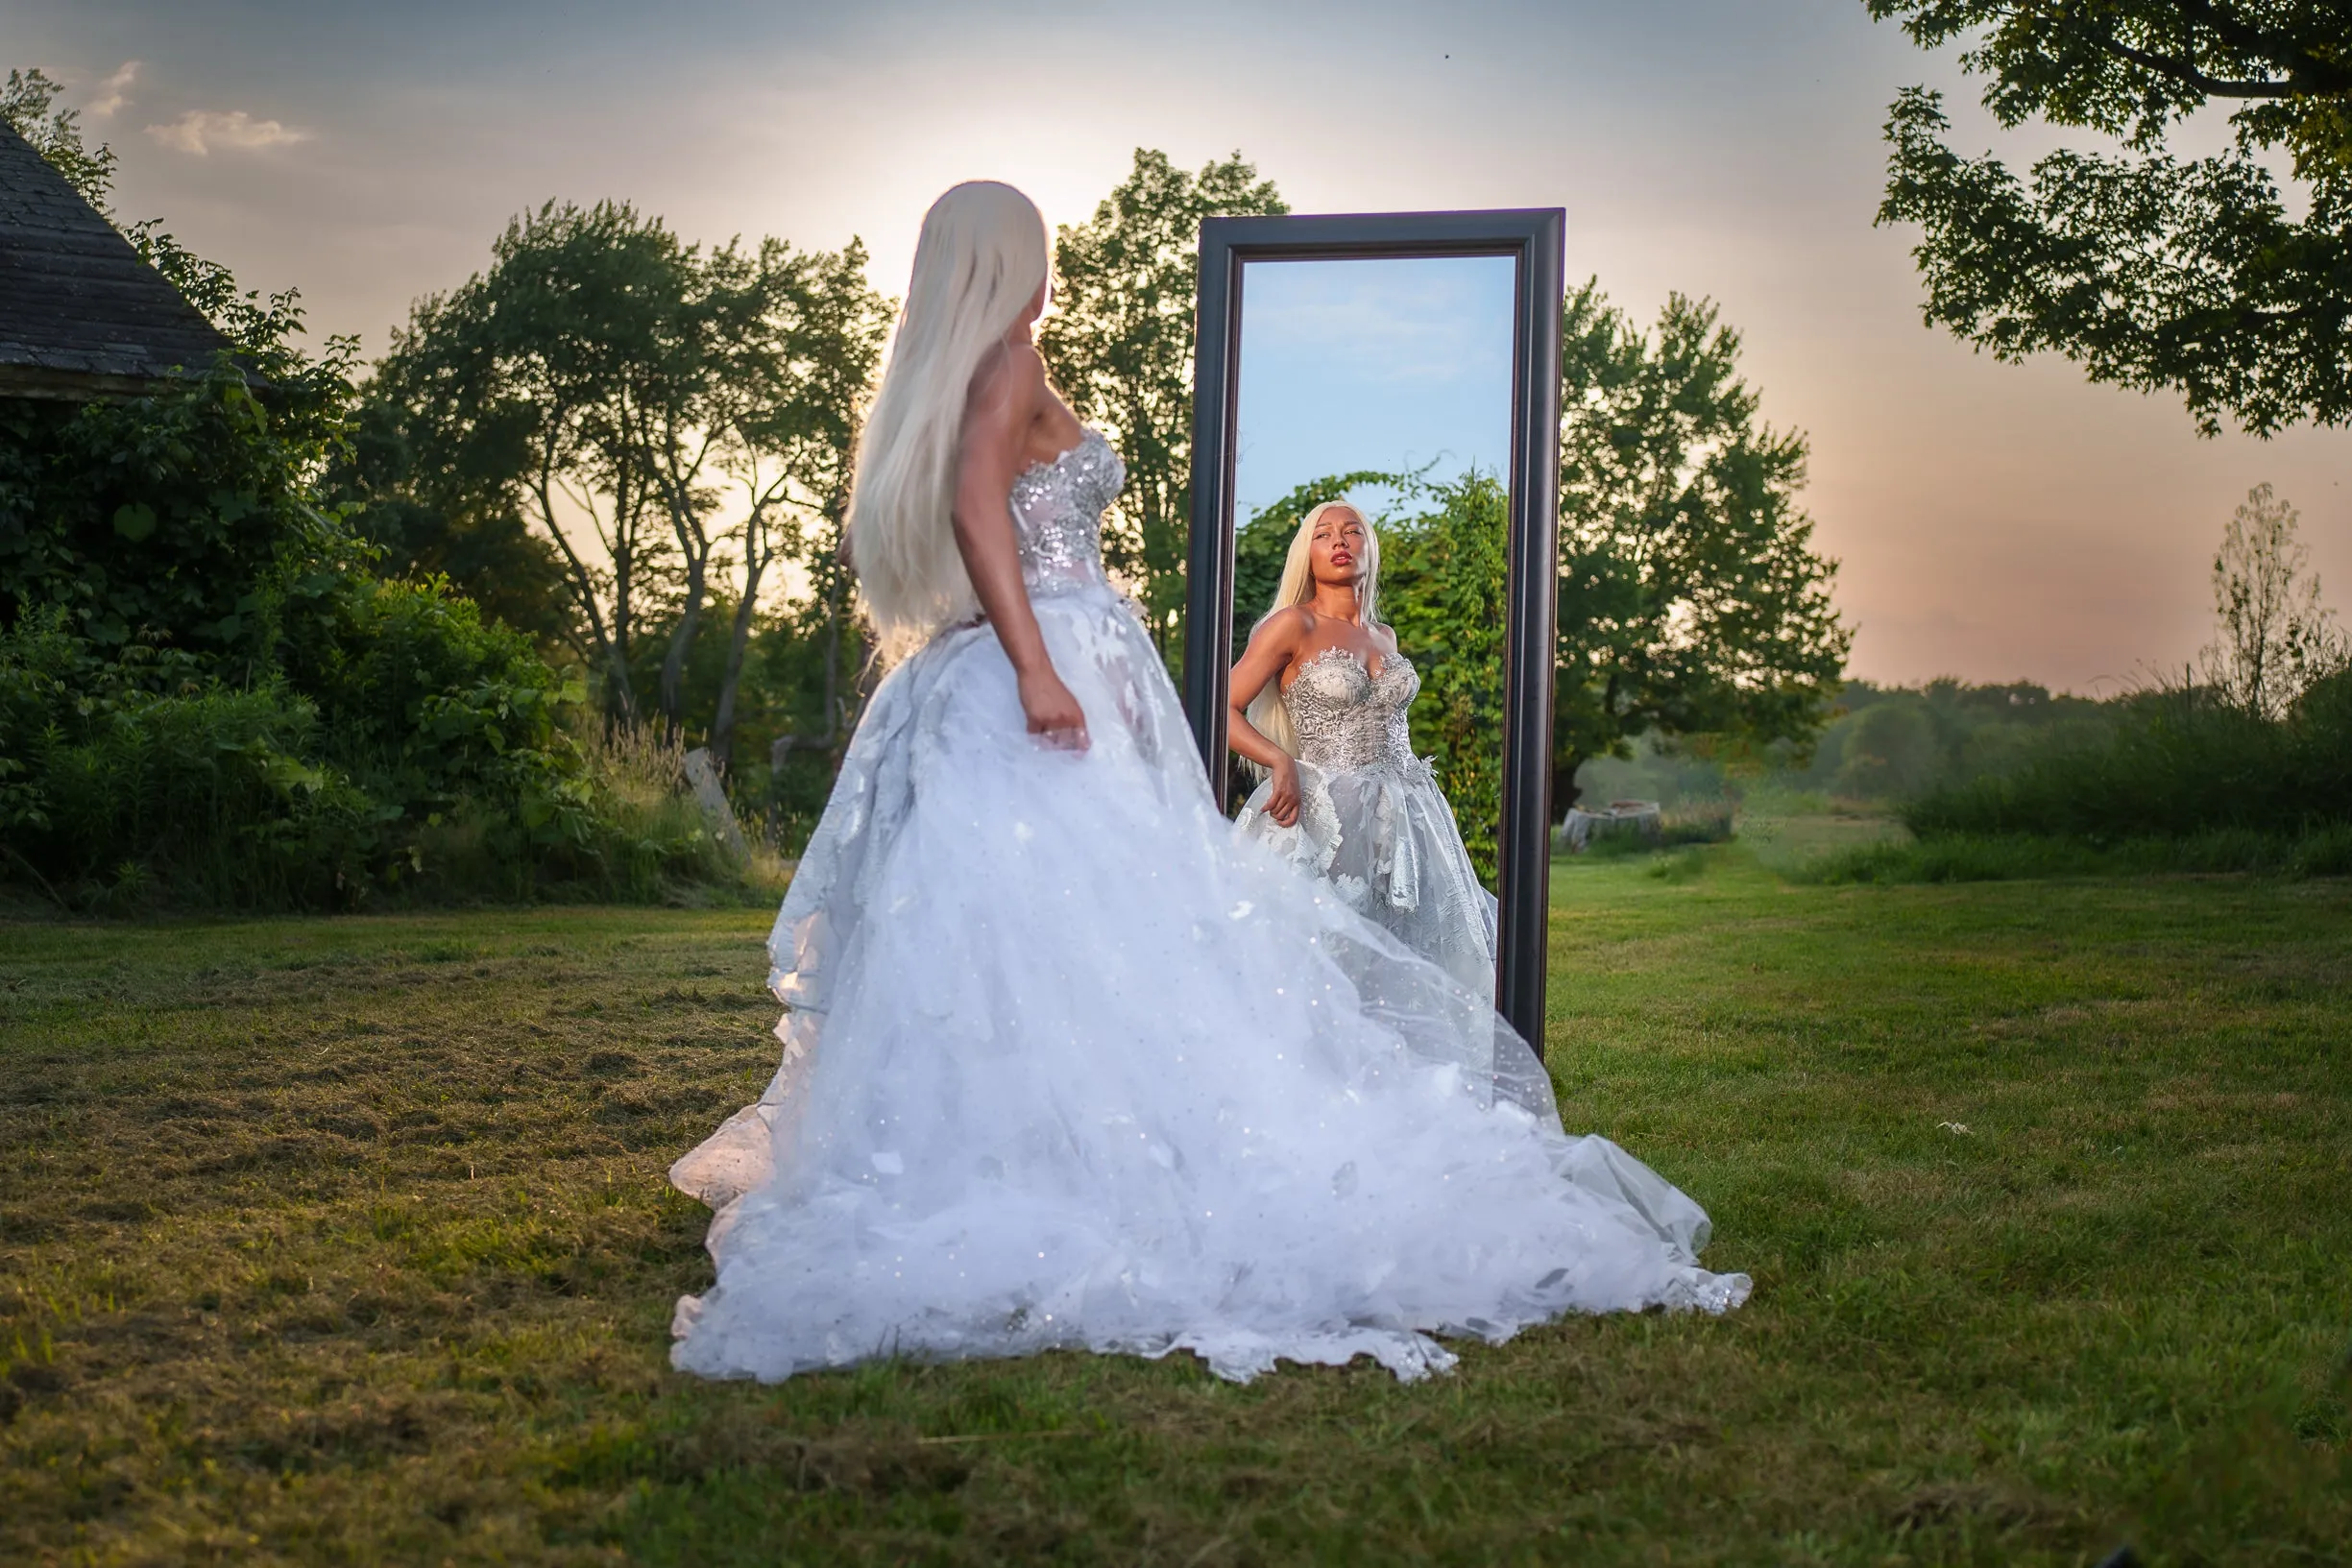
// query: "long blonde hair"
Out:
[978,264]
[1266,712]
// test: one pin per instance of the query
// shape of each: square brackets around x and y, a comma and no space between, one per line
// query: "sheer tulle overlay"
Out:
[1065,1065]
[1371,819]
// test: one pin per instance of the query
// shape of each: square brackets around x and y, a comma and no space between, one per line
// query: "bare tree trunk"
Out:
[832,667]
[755,567]
[611,644]
[681,639]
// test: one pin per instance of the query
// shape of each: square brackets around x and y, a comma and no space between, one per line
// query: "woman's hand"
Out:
[1282,793]
[1055,716]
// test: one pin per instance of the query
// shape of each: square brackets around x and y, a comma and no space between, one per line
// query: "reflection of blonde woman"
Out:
[1319,700]
[1065,1065]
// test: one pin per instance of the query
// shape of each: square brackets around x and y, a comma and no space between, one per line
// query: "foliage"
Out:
[1443,576]
[108,786]
[403,747]
[185,517]
[1891,742]
[419,526]
[26,108]
[208,698]
[600,367]
[1691,601]
[2175,761]
[1119,344]
[799,371]
[533,385]
[2274,637]
[1889,751]
[350,1240]
[2150,270]
[1991,857]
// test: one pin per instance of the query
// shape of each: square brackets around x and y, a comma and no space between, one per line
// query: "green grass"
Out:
[346,1240]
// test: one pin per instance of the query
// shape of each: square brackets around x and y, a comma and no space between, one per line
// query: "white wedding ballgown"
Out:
[1371,819]
[1067,1065]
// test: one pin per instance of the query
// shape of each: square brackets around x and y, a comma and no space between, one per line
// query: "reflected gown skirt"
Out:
[1385,838]
[1065,1065]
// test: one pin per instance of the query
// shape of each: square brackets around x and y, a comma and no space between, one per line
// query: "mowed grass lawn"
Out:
[348,1241]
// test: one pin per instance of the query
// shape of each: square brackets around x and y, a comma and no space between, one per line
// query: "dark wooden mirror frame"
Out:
[1535,239]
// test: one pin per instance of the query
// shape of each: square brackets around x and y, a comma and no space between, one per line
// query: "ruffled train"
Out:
[1067,1065]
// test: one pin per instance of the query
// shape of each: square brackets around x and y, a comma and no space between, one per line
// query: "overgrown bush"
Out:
[423,756]
[207,698]
[2173,763]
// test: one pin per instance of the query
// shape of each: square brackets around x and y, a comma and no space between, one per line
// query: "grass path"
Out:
[346,1241]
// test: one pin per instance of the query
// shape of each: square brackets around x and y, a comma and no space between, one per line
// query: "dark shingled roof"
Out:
[81,314]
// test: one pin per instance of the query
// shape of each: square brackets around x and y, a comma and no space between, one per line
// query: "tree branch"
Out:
[2306,74]
[2328,78]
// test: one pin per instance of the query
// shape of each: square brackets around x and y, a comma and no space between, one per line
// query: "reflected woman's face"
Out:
[1336,554]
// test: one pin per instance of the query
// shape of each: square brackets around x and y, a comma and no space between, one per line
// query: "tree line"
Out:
[694,413]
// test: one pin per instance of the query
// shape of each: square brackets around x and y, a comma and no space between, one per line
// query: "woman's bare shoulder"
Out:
[1010,371]
[1285,628]
[1010,384]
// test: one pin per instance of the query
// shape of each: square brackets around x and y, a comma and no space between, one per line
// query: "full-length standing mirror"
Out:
[1375,463]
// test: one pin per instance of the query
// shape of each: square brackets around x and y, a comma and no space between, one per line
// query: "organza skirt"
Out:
[1067,1065]
[1386,840]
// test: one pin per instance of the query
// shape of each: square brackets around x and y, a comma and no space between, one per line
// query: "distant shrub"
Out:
[2175,763]
[1976,857]
[1697,822]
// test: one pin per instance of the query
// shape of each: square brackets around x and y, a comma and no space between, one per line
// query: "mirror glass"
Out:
[1374,402]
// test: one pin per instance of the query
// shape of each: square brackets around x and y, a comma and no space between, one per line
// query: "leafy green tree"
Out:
[1890,752]
[2152,270]
[2273,634]
[427,524]
[1119,344]
[603,371]
[540,382]
[795,379]
[1691,601]
[1443,577]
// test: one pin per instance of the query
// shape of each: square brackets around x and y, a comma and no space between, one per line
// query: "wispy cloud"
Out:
[201,129]
[114,91]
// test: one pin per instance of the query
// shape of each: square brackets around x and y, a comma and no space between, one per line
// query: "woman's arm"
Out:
[1006,399]
[1272,648]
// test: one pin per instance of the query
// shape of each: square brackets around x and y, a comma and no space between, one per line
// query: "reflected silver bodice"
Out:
[1348,717]
[1058,507]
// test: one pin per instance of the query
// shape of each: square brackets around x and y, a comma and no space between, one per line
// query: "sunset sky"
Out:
[1995,522]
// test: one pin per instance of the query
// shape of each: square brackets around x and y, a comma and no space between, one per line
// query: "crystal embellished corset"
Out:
[1057,508]
[1348,717]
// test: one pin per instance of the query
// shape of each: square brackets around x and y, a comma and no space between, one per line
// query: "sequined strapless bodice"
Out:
[1058,507]
[1348,717]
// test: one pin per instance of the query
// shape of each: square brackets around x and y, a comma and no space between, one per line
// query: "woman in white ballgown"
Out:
[1065,1064]
[1319,703]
